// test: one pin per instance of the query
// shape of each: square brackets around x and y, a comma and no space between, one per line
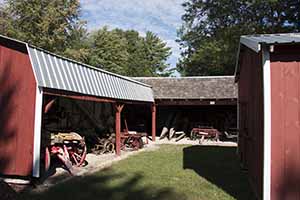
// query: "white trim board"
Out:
[37,132]
[267,124]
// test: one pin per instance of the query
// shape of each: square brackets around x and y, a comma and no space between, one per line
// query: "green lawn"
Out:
[172,172]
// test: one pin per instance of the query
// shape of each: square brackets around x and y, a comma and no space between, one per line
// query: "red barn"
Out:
[28,76]
[268,76]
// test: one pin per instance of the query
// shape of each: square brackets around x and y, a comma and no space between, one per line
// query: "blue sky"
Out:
[162,17]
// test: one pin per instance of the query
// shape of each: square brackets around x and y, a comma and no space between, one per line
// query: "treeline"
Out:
[56,26]
[212,28]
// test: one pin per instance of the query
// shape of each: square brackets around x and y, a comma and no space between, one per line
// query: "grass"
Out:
[173,172]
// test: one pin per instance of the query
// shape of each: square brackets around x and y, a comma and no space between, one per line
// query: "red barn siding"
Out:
[285,96]
[251,117]
[17,103]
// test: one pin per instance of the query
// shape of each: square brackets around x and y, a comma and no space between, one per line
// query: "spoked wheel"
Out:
[136,143]
[109,147]
[78,154]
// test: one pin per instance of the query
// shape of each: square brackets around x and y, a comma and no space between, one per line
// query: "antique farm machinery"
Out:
[129,140]
[69,148]
[104,145]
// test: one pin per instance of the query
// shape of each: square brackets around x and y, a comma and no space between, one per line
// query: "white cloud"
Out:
[162,17]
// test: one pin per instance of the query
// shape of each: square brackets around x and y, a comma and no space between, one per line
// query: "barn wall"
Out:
[17,103]
[84,117]
[251,117]
[285,96]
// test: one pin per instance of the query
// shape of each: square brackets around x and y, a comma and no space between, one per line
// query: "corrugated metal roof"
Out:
[195,87]
[57,72]
[254,41]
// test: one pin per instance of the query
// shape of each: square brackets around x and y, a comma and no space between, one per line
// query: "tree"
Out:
[56,26]
[127,53]
[135,65]
[109,51]
[211,30]
[157,53]
[53,25]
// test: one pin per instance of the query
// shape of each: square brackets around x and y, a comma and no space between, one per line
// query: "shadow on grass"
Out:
[106,185]
[219,165]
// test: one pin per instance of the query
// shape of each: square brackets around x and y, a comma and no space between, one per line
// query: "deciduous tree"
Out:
[211,29]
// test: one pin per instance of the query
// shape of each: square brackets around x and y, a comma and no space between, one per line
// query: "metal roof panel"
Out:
[253,41]
[57,72]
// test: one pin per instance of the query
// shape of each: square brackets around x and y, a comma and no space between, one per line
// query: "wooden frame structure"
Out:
[27,74]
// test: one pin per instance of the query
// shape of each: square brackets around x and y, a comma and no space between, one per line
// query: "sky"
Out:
[162,17]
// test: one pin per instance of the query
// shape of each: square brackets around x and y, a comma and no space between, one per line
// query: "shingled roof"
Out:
[196,87]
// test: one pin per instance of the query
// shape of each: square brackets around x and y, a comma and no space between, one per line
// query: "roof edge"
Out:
[255,46]
[185,77]
[71,60]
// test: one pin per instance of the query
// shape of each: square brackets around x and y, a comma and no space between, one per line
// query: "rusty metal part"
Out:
[70,148]
[49,105]
[104,145]
[131,140]
[205,133]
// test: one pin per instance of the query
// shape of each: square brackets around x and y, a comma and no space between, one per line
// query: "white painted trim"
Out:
[37,132]
[251,43]
[30,58]
[267,124]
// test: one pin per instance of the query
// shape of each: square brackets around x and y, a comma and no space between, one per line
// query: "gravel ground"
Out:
[94,163]
[196,142]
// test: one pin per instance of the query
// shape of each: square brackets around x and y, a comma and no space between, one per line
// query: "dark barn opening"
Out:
[220,117]
[188,102]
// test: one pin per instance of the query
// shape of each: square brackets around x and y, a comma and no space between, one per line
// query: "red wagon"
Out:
[205,133]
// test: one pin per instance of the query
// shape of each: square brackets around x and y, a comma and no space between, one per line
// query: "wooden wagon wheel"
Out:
[110,147]
[78,154]
[137,143]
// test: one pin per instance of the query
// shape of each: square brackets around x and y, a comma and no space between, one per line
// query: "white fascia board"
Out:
[254,45]
[267,123]
[37,132]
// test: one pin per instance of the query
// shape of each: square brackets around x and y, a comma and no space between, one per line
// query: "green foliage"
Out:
[53,25]
[211,30]
[56,26]
[156,55]
[127,53]
[108,51]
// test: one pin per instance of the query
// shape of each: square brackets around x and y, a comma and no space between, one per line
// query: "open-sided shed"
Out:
[268,76]
[27,74]
[194,101]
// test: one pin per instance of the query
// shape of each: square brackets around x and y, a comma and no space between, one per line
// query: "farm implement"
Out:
[69,148]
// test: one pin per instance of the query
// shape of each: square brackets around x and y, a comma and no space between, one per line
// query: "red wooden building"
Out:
[268,76]
[30,77]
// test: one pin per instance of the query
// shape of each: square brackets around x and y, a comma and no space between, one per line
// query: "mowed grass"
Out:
[171,172]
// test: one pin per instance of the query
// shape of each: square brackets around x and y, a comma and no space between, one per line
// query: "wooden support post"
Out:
[153,109]
[118,108]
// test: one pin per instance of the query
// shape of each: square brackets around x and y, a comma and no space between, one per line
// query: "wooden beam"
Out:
[77,96]
[153,109]
[118,108]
